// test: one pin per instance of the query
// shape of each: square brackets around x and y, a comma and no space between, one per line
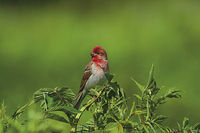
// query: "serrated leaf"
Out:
[151,78]
[66,94]
[160,118]
[111,93]
[141,87]
[114,128]
[44,104]
[65,109]
[93,92]
[90,122]
[179,126]
[39,94]
[161,100]
[173,94]
[82,128]
[21,110]
[155,90]
[145,128]
[63,94]
[148,110]
[114,85]
[56,117]
[138,96]
[197,126]
[131,112]
[121,92]
[120,128]
[49,101]
[139,112]
[148,123]
[160,127]
[105,107]
[185,122]
[109,76]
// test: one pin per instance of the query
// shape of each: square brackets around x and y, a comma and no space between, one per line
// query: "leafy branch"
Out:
[90,102]
[109,111]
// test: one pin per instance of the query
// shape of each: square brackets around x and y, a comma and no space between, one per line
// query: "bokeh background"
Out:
[45,44]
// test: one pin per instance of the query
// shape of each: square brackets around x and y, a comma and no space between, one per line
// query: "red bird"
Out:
[94,73]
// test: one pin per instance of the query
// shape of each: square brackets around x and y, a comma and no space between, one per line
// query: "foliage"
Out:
[109,109]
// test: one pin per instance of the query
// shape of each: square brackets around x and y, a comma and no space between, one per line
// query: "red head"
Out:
[98,53]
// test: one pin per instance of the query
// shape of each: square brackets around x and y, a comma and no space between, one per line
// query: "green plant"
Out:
[109,109]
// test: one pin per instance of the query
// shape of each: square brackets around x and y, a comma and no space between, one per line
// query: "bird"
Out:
[94,74]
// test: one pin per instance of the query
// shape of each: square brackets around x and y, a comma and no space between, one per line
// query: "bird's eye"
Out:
[98,53]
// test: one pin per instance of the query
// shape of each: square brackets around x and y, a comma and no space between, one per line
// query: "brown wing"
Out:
[86,75]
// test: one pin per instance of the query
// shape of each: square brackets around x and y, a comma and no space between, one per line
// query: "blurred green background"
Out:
[47,44]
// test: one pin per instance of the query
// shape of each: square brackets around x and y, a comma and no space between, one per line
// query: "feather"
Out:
[79,99]
[82,92]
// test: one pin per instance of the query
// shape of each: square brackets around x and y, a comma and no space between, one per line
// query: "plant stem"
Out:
[90,102]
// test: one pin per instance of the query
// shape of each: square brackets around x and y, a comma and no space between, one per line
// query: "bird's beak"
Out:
[92,54]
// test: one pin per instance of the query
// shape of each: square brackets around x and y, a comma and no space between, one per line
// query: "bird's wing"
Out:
[86,76]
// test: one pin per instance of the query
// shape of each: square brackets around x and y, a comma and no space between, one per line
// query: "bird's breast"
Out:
[97,77]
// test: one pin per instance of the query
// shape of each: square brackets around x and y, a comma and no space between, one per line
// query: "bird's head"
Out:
[98,53]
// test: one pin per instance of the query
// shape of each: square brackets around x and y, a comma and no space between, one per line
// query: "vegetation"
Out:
[108,108]
[45,44]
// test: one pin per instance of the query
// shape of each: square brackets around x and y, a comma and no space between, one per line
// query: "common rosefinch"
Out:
[94,73]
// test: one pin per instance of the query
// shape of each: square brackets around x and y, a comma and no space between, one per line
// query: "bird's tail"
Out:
[79,99]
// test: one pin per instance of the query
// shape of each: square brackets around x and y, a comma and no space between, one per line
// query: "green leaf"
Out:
[145,128]
[49,101]
[90,123]
[39,94]
[151,78]
[131,112]
[161,100]
[160,118]
[111,93]
[44,104]
[138,96]
[2,110]
[141,87]
[121,92]
[65,109]
[185,122]
[82,128]
[105,107]
[109,76]
[179,127]
[139,112]
[120,128]
[151,127]
[65,93]
[21,110]
[148,110]
[155,90]
[114,85]
[160,127]
[55,117]
[1,126]
[114,128]
[93,92]
[173,94]
[197,126]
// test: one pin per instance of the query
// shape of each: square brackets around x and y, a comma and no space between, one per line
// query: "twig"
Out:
[59,97]
[77,117]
